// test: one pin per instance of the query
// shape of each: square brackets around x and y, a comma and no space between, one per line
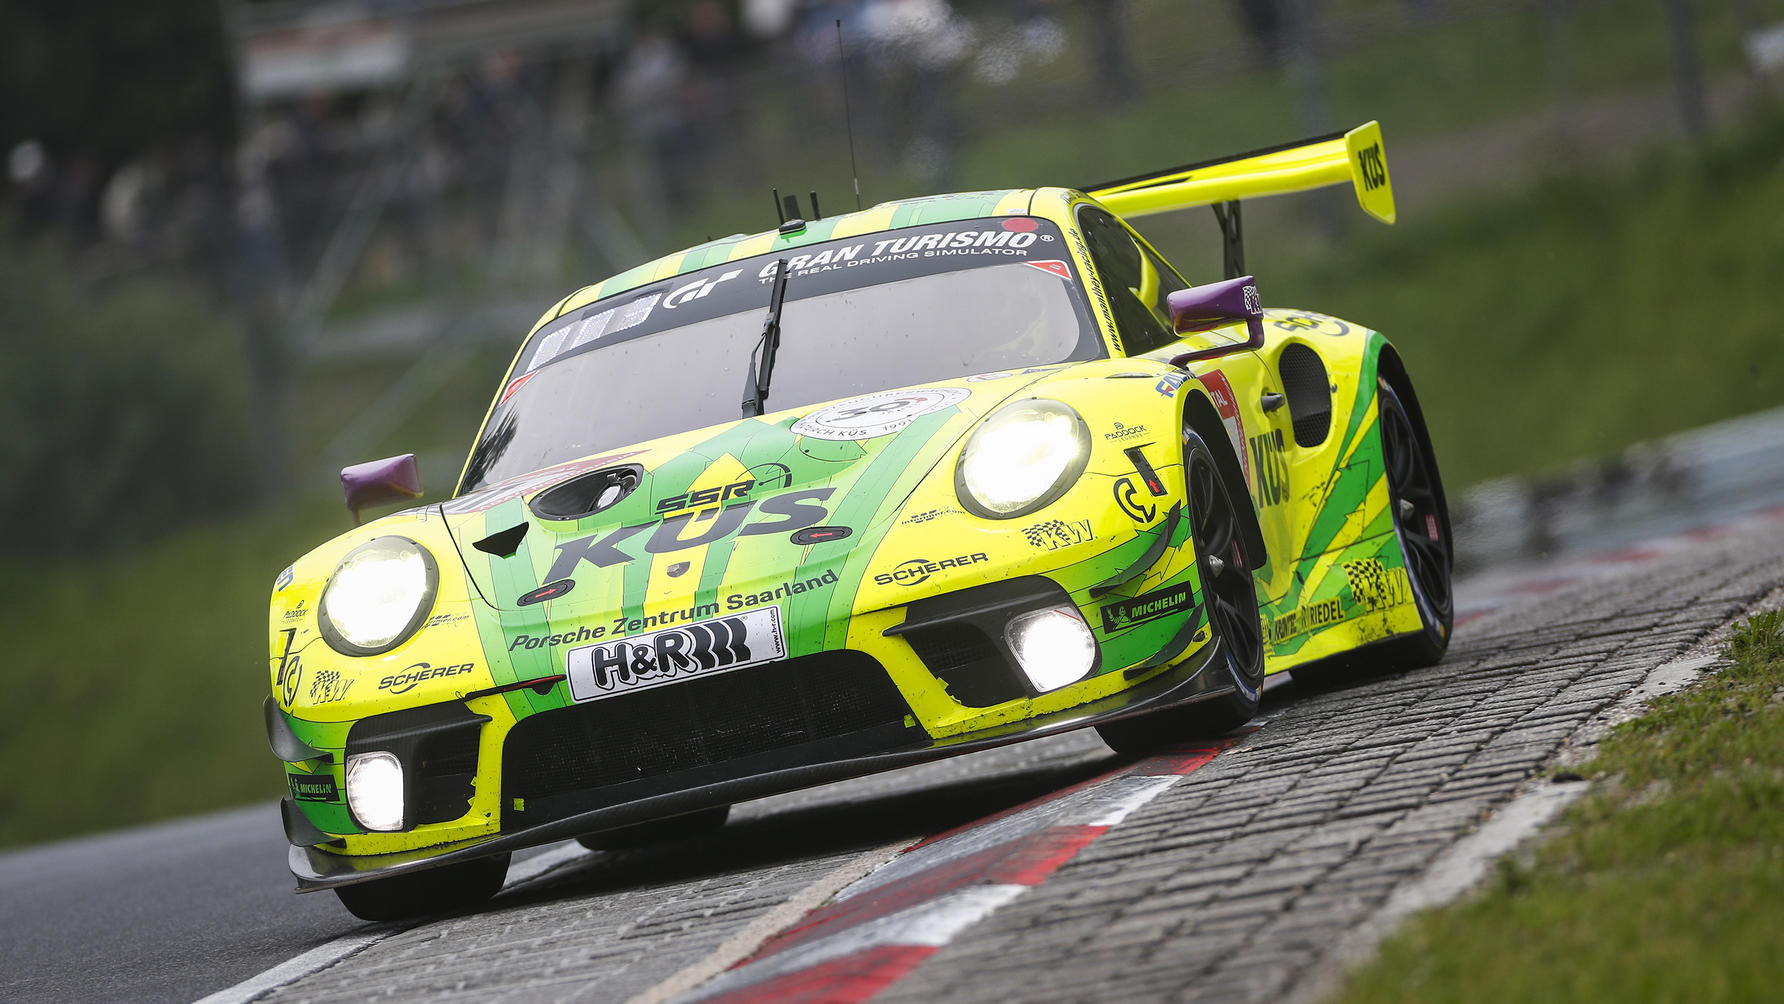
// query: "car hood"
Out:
[752,512]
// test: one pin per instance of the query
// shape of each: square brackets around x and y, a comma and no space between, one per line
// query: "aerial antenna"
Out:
[842,61]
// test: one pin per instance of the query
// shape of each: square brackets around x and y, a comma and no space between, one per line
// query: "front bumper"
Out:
[759,775]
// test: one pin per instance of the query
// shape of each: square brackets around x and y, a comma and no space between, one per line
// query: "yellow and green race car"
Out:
[851,494]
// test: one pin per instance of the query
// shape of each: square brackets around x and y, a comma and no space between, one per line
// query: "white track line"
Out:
[744,943]
[330,952]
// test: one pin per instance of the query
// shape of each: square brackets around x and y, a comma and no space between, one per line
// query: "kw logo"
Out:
[1370,166]
[1271,466]
[1376,587]
[796,511]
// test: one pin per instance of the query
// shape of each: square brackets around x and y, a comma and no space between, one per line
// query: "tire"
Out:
[447,889]
[1230,596]
[1415,497]
[658,831]
[1415,493]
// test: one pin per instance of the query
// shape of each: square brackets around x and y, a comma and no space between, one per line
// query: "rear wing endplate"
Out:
[1356,157]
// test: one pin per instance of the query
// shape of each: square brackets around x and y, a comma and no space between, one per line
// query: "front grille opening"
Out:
[437,745]
[1309,395]
[964,658]
[698,723]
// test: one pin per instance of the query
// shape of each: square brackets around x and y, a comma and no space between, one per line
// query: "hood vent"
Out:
[587,494]
[503,544]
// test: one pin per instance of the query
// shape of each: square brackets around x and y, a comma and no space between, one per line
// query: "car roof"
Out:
[874,219]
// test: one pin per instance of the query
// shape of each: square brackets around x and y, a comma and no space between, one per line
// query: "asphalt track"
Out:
[1052,870]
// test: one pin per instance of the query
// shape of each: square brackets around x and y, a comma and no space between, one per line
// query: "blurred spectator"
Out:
[1262,22]
[648,90]
[28,167]
[913,48]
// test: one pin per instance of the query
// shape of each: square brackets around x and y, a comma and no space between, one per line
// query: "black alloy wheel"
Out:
[1416,496]
[1229,596]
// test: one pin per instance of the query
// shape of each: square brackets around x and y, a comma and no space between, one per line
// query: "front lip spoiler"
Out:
[1196,679]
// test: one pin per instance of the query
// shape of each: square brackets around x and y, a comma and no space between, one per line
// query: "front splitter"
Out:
[1196,679]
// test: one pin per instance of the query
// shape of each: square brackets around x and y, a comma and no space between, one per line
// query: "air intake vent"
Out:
[1309,395]
[587,494]
[704,722]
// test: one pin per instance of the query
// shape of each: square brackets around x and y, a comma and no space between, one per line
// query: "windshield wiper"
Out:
[756,390]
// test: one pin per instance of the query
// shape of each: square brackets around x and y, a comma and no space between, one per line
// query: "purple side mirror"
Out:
[1204,308]
[393,479]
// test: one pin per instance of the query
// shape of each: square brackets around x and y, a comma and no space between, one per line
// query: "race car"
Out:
[851,494]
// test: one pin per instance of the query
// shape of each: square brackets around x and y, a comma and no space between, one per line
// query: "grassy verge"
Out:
[1662,884]
[135,681]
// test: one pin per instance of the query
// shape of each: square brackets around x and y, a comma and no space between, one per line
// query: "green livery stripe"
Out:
[872,502]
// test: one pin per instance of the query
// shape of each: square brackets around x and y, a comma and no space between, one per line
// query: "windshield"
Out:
[887,310]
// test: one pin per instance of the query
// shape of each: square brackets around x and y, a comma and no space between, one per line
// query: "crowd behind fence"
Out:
[500,162]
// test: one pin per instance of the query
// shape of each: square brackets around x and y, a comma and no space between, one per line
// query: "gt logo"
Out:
[661,657]
[696,289]
[1129,497]
[709,526]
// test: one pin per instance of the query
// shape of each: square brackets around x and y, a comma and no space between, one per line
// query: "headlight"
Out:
[378,595]
[375,790]
[1053,647]
[1023,457]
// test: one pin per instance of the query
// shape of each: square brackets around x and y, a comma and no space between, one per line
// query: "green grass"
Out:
[1663,883]
[135,681]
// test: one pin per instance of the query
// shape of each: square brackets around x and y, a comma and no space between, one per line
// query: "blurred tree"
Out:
[110,78]
[123,408]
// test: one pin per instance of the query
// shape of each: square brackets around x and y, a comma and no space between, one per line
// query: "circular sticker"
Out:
[877,414]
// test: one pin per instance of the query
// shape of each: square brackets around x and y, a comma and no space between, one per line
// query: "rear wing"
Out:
[1356,157]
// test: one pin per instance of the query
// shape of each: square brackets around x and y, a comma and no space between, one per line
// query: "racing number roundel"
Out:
[873,415]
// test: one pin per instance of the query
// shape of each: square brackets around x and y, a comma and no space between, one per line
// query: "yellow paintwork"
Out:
[1358,158]
[1114,396]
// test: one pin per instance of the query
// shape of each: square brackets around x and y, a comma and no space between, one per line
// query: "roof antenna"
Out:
[814,206]
[780,215]
[842,62]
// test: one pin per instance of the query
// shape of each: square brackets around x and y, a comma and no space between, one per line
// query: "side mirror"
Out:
[393,479]
[1204,308]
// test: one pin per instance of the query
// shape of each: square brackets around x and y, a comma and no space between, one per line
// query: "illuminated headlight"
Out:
[1054,647]
[1023,457]
[375,790]
[379,594]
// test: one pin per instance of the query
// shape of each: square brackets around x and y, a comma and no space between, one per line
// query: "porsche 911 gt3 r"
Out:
[851,494]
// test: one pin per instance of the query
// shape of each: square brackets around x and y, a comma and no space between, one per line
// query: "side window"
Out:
[1136,281]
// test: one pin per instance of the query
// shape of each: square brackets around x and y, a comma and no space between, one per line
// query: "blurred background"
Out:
[245,242]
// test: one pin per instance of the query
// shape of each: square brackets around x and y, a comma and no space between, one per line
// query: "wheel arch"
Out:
[1392,370]
[1199,414]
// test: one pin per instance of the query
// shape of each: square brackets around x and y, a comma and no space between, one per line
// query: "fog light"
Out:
[1054,647]
[375,790]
